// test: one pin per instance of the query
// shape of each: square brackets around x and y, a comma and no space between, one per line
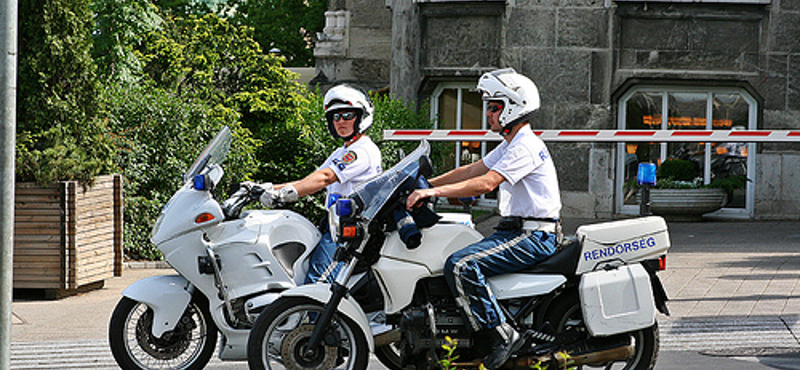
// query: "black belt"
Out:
[516,222]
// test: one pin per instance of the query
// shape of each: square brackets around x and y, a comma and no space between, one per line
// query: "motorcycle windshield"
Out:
[214,153]
[374,193]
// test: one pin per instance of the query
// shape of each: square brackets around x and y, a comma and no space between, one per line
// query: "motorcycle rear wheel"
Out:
[567,312]
[188,347]
[279,336]
[389,356]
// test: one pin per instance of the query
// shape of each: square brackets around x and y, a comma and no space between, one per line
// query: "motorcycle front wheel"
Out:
[280,336]
[188,347]
[566,314]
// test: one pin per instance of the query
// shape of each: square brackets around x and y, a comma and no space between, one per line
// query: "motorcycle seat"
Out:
[563,262]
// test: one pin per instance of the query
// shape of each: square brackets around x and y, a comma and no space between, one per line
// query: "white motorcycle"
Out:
[592,304]
[230,265]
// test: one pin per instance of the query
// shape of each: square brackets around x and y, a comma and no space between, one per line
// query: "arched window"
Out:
[682,108]
[458,106]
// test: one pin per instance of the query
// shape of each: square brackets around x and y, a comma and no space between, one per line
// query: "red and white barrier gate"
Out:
[760,136]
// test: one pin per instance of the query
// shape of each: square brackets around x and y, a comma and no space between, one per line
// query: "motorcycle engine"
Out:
[425,325]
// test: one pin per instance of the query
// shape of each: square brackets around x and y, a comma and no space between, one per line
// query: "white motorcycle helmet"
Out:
[519,96]
[348,97]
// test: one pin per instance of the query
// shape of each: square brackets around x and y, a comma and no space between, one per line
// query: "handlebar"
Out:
[247,193]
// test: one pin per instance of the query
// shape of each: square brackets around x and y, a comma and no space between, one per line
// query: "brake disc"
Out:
[171,345]
[293,350]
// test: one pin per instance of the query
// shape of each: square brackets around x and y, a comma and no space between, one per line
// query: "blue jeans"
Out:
[501,253]
[321,258]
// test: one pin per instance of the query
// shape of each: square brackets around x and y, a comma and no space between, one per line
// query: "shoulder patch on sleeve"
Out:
[346,159]
[349,157]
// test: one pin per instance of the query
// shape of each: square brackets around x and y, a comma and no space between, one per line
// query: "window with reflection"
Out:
[457,106]
[664,108]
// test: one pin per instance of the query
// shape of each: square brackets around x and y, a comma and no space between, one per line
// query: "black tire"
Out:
[566,311]
[188,347]
[389,356]
[738,168]
[278,336]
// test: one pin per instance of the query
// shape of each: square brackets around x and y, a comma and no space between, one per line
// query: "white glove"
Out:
[264,185]
[272,197]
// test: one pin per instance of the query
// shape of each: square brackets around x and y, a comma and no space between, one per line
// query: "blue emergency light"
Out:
[200,182]
[647,174]
[344,207]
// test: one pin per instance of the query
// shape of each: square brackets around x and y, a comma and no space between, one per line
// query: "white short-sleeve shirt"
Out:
[530,188]
[352,164]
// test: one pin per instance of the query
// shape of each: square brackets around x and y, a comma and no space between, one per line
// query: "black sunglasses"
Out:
[494,108]
[345,116]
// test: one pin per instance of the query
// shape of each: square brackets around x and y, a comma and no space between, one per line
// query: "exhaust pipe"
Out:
[390,336]
[590,353]
[559,359]
[601,357]
[563,361]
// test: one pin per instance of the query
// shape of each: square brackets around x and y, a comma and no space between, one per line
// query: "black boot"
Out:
[505,341]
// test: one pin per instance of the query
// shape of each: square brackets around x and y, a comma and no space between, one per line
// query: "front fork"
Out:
[339,290]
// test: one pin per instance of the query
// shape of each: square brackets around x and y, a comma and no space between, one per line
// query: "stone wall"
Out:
[778,185]
[355,45]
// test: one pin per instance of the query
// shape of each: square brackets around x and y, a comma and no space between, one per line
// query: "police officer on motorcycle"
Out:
[529,204]
[349,112]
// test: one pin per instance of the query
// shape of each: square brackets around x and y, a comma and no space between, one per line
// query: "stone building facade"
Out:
[685,64]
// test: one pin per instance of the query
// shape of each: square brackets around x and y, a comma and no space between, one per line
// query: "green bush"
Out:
[729,184]
[158,135]
[395,114]
[678,169]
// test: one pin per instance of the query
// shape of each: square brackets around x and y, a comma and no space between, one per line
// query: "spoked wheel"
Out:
[279,339]
[566,315]
[188,347]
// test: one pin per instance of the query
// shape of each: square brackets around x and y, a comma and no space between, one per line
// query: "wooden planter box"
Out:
[66,237]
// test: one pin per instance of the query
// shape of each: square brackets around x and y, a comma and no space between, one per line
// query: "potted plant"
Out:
[680,195]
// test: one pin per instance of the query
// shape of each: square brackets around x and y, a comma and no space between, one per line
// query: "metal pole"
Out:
[8,124]
[644,206]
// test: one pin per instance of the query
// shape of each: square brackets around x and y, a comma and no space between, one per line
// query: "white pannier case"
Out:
[616,293]
[617,301]
[621,242]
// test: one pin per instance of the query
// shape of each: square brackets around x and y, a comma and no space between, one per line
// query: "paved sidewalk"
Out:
[734,286]
[78,317]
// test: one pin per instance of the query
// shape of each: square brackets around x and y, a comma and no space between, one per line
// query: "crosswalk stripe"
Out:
[725,334]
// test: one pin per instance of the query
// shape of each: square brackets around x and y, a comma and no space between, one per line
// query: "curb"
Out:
[146,265]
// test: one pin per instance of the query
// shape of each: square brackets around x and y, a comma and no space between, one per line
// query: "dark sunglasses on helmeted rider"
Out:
[494,108]
[344,115]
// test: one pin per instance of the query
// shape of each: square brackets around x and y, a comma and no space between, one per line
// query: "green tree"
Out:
[186,7]
[120,27]
[289,25]
[210,59]
[60,135]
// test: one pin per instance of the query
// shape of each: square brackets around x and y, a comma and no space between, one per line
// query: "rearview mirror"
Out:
[425,166]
